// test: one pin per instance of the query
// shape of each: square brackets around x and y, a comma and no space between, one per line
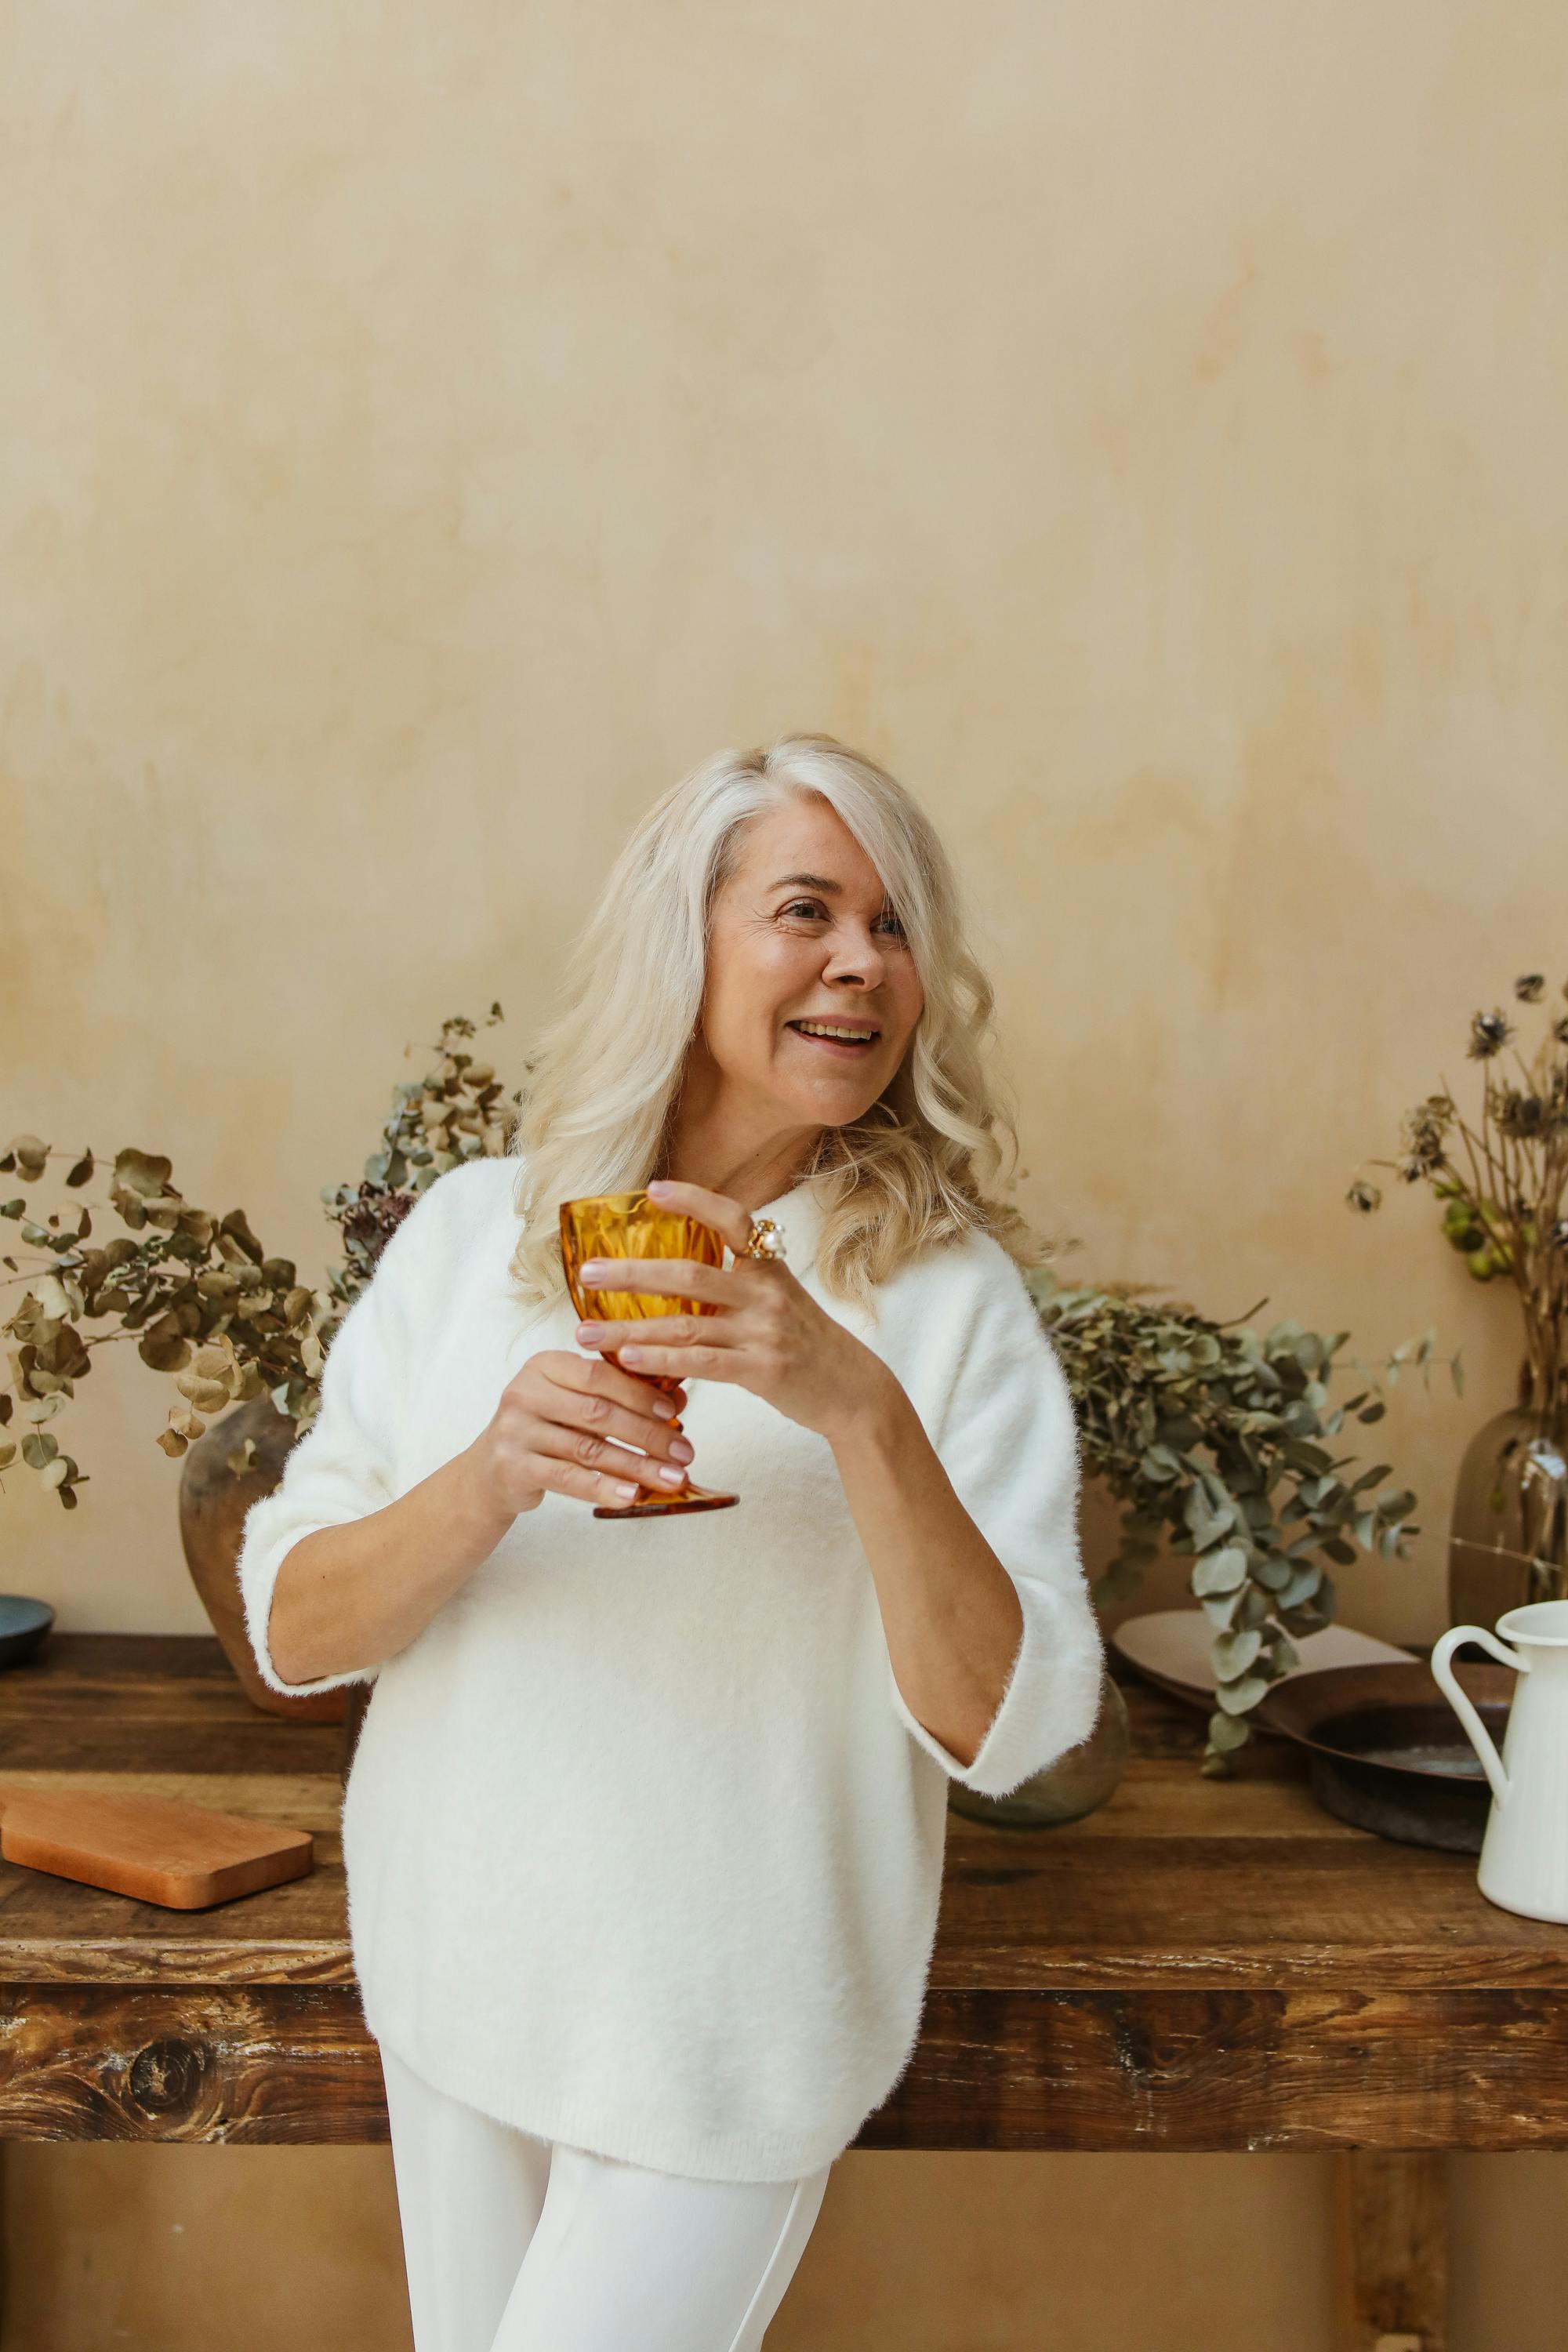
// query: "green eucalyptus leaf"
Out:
[1220,1571]
[1305,1579]
[1233,1654]
[1235,1697]
[1205,1522]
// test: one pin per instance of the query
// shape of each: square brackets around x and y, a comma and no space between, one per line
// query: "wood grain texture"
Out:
[1201,1965]
[279,2064]
[1240,2071]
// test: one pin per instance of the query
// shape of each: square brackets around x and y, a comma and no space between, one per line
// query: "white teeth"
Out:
[821,1029]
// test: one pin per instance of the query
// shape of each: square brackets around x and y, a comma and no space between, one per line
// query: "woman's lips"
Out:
[848,1047]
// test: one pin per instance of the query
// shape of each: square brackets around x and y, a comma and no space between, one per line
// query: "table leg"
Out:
[1391,2250]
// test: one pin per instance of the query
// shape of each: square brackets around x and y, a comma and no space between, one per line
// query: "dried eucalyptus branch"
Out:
[198,1294]
[1214,1440]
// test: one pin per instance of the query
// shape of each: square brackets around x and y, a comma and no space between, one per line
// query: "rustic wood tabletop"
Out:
[1199,1965]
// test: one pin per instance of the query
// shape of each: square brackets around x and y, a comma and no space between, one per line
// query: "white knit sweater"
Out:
[643,1845]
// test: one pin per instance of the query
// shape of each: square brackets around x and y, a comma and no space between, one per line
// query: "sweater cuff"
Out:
[260,1564]
[1051,1702]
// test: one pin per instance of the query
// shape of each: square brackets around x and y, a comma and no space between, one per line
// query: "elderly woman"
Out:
[643,1831]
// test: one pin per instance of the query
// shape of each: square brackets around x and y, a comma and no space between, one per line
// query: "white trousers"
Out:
[513,2243]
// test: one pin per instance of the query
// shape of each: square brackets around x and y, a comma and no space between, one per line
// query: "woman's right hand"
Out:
[566,1423]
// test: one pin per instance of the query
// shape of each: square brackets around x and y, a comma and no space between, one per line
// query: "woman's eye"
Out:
[814,907]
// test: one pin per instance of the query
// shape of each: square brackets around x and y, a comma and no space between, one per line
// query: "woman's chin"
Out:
[833,1100]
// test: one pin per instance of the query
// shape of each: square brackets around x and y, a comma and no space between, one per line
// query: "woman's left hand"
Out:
[768,1334]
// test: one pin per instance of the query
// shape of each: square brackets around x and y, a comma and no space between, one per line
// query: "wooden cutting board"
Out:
[157,1848]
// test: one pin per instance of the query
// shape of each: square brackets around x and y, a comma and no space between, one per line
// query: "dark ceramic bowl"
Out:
[1387,1753]
[23,1625]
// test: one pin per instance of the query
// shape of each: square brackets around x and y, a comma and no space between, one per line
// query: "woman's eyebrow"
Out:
[807,881]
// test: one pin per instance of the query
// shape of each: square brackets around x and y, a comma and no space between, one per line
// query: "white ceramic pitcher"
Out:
[1524,1854]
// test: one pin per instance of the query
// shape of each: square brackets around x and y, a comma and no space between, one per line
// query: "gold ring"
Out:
[765,1242]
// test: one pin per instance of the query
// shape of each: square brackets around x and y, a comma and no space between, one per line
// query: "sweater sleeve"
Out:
[1005,1432]
[343,1466]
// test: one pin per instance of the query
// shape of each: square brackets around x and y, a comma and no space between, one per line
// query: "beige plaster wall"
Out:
[427,431]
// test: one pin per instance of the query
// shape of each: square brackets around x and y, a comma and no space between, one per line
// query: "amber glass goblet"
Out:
[628,1225]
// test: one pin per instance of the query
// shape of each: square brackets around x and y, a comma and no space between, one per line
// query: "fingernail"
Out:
[660,1185]
[682,1449]
[585,1331]
[672,1477]
[592,1271]
[627,1489]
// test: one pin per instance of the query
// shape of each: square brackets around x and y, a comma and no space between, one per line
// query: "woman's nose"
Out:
[851,955]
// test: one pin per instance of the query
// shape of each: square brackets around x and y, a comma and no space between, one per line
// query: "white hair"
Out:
[913,1172]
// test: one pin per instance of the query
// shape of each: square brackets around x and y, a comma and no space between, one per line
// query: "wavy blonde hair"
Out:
[916,1170]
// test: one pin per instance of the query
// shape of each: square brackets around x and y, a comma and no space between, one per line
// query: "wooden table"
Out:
[1200,1965]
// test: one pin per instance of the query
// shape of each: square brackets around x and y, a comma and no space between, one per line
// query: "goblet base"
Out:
[684,1498]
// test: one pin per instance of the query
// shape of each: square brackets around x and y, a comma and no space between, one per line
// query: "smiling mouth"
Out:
[834,1037]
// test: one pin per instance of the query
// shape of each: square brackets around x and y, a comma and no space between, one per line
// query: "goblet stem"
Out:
[684,1497]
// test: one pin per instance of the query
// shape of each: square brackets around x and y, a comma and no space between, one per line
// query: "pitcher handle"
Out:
[1479,1737]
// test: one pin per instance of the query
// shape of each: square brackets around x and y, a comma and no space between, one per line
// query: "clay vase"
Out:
[213,1505]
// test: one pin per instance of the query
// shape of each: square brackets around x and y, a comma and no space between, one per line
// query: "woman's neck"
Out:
[750,1173]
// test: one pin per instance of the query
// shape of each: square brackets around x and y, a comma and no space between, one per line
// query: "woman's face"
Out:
[803,933]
